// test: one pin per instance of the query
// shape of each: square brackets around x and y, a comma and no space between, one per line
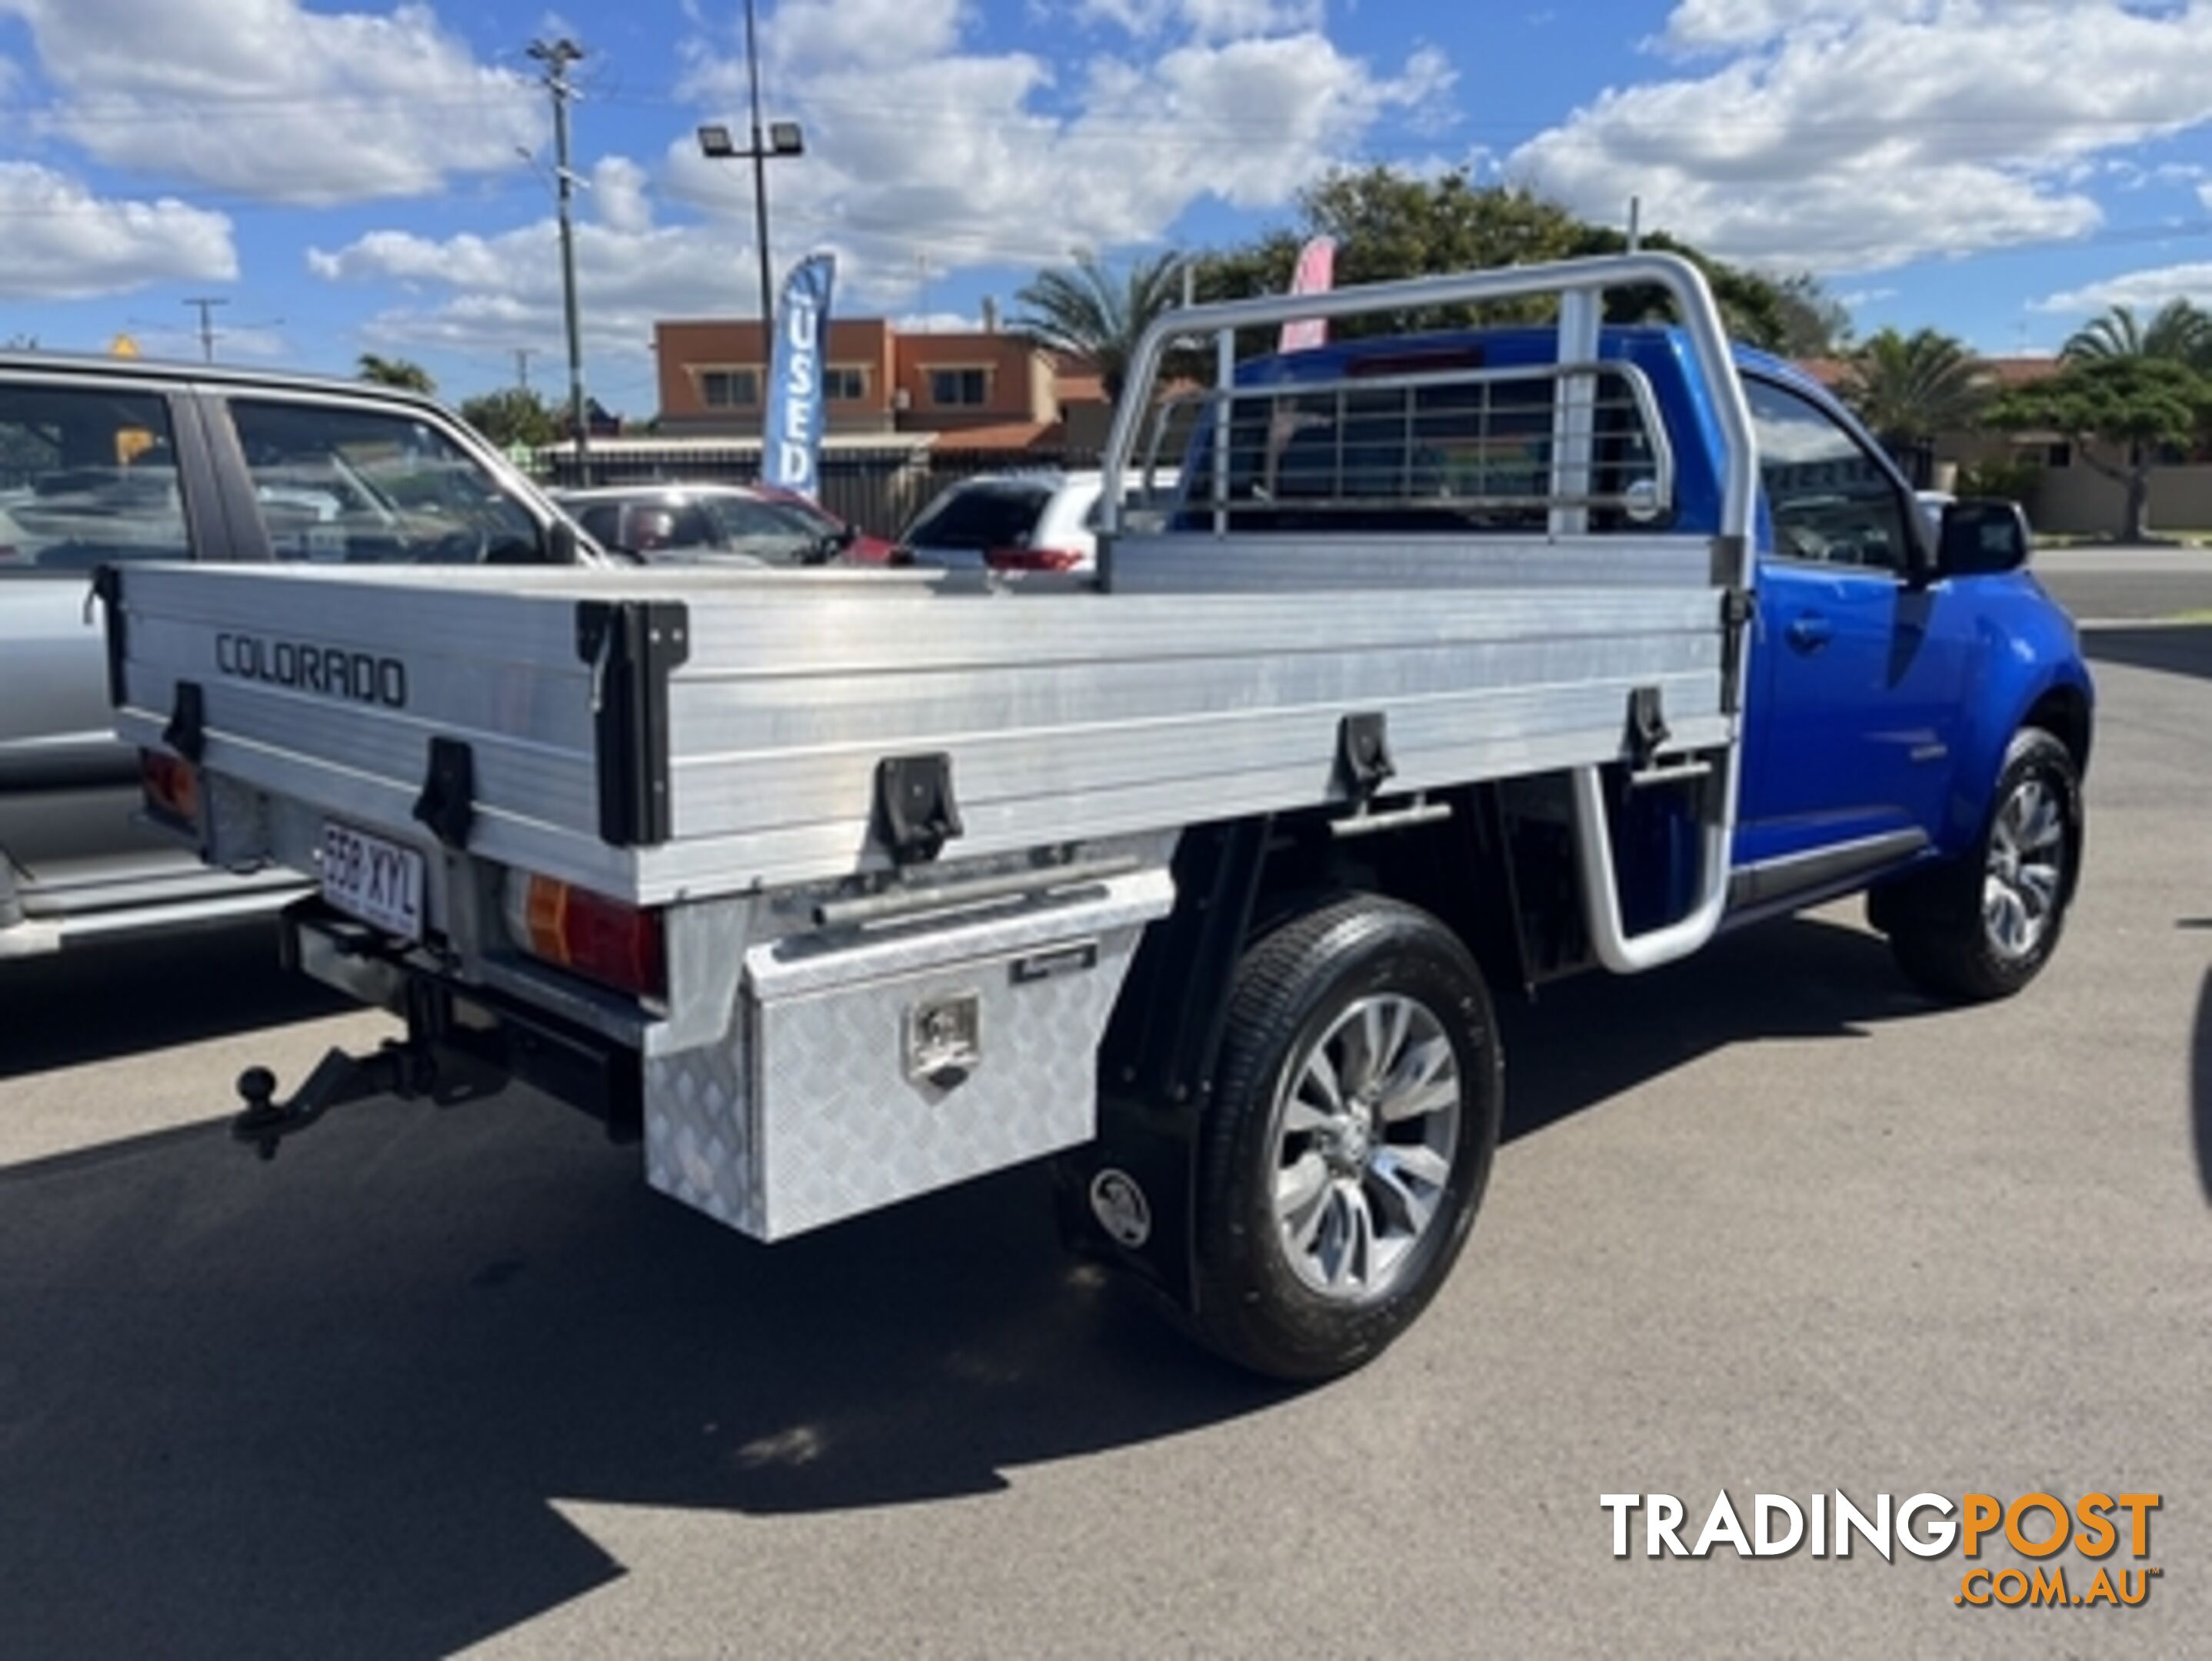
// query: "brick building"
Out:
[984,388]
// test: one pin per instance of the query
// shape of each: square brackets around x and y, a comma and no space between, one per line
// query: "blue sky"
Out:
[352,177]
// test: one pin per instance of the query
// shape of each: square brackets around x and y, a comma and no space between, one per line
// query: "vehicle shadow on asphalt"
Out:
[101,1002]
[337,1405]
[1797,978]
[2173,649]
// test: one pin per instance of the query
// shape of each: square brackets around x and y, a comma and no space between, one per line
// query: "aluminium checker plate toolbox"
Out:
[862,1068]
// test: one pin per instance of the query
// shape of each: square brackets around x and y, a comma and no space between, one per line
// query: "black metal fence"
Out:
[879,489]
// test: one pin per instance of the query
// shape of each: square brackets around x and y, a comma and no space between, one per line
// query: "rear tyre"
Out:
[1983,926]
[1350,1136]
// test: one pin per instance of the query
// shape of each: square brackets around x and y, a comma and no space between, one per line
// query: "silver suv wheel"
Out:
[1365,1128]
[2026,865]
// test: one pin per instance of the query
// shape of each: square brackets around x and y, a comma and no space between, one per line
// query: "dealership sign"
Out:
[791,444]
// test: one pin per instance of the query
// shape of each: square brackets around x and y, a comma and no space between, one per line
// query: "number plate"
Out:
[376,880]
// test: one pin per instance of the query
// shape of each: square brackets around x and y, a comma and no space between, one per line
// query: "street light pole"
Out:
[557,57]
[772,138]
[760,191]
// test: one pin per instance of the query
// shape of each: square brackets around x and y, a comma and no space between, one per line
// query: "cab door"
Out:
[1855,674]
[94,469]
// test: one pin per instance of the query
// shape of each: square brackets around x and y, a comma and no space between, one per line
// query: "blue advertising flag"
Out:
[791,443]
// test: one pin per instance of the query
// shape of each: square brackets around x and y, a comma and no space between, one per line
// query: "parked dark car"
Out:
[722,524]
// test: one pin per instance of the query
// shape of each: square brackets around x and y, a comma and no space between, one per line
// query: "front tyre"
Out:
[1983,927]
[1349,1139]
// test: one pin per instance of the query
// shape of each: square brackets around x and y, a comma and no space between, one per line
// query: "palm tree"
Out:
[2177,332]
[1087,311]
[396,372]
[1908,388]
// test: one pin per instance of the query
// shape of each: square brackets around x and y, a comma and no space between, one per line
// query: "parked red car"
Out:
[724,523]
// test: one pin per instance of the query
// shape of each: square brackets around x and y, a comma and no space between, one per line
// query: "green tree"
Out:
[1390,225]
[2178,331]
[1087,310]
[2129,405]
[1908,388]
[513,414]
[1814,322]
[396,372]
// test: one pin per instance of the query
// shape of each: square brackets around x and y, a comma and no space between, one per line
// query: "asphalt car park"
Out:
[1764,1221]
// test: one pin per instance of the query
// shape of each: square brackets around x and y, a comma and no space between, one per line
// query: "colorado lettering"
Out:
[358,677]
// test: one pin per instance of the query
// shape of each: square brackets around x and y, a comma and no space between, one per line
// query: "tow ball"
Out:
[403,1068]
[396,1068]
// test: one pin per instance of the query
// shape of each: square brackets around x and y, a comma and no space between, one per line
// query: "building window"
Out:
[729,389]
[2058,455]
[949,388]
[844,383]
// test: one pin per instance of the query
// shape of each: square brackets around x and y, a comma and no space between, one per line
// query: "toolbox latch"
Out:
[914,808]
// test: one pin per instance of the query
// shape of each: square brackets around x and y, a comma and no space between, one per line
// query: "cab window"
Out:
[376,487]
[88,476]
[1832,502]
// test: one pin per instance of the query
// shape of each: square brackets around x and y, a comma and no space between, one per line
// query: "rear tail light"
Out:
[616,944]
[1032,559]
[171,787]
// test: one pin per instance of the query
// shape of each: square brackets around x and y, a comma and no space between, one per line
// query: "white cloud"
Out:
[922,157]
[1700,25]
[2145,291]
[495,292]
[64,243]
[1207,20]
[618,194]
[974,158]
[270,99]
[1849,135]
[863,33]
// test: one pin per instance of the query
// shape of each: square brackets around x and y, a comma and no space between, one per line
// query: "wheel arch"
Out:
[2064,711]
[1236,882]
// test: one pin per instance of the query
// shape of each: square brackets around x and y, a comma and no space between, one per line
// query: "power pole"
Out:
[557,57]
[522,356]
[207,303]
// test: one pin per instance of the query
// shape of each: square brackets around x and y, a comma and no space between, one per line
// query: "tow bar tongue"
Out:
[403,1069]
[338,1079]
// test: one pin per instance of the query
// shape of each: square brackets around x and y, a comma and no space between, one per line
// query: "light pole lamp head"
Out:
[784,138]
[715,142]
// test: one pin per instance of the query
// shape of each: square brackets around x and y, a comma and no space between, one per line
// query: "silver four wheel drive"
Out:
[112,463]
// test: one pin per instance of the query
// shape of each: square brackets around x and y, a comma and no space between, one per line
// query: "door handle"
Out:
[1809,631]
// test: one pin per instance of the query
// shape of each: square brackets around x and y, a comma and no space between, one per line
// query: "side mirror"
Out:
[1982,538]
[560,543]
